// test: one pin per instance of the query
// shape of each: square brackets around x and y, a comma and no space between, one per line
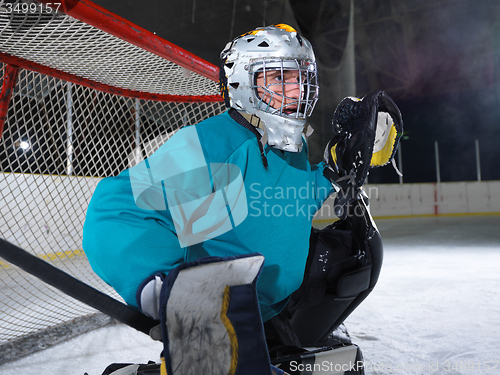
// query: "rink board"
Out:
[45,213]
[428,199]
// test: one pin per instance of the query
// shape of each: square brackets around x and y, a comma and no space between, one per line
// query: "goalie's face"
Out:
[280,89]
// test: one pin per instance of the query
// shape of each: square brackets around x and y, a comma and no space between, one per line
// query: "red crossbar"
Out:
[30,65]
[9,81]
[102,19]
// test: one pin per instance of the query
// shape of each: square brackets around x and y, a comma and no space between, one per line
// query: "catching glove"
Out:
[367,133]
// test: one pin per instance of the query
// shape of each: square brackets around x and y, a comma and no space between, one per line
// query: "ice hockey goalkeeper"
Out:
[211,235]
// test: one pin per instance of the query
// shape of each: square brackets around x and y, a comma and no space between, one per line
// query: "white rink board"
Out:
[44,213]
[51,209]
[447,198]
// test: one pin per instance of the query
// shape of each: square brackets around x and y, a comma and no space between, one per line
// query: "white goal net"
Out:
[76,103]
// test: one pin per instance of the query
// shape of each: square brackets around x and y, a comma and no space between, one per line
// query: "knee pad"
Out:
[342,269]
[210,317]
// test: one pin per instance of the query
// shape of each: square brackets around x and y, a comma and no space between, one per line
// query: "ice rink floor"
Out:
[435,309]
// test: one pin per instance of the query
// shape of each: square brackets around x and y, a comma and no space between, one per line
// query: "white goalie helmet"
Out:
[271,73]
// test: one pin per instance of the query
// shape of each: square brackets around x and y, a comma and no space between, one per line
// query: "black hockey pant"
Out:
[342,268]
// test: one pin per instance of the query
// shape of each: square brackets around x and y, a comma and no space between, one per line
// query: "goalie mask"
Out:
[271,73]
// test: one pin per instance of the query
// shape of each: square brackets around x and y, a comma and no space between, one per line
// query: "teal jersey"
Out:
[130,235]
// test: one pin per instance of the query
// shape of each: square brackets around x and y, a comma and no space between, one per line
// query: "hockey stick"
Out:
[75,288]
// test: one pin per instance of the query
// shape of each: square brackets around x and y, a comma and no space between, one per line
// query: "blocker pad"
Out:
[210,318]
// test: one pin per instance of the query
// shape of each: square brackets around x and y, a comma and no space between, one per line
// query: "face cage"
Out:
[308,85]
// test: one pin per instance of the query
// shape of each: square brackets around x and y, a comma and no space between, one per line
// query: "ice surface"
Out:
[435,310]
[437,304]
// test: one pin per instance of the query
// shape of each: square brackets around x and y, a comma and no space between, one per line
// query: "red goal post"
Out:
[82,90]
[116,28]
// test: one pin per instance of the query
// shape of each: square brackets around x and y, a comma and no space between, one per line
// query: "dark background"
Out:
[438,59]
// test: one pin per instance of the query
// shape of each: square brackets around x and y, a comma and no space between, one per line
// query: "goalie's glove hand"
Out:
[367,133]
[346,192]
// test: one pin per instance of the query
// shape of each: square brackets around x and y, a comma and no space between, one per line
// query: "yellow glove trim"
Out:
[334,154]
[383,156]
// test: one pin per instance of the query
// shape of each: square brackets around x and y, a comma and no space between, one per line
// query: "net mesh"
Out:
[37,33]
[60,139]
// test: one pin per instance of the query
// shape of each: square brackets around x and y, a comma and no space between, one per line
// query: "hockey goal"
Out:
[85,94]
